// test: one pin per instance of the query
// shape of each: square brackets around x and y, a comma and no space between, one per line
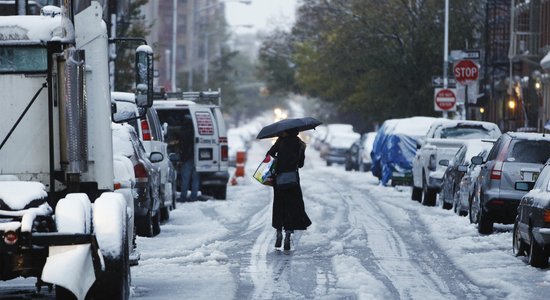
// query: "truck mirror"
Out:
[144,76]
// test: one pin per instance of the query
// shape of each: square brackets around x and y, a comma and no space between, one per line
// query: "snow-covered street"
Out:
[367,242]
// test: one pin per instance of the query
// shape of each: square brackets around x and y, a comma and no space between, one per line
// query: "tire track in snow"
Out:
[408,262]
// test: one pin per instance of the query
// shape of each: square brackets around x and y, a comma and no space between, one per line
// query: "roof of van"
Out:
[175,103]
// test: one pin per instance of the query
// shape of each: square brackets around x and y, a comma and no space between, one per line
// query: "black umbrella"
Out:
[299,124]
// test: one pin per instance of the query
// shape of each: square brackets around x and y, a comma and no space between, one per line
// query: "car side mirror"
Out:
[444,162]
[477,160]
[174,157]
[524,185]
[462,168]
[156,157]
[144,76]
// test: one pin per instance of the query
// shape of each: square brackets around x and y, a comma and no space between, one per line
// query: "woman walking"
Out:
[288,205]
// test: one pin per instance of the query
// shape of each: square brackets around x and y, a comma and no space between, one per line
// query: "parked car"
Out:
[337,146]
[514,157]
[531,234]
[457,167]
[149,130]
[358,155]
[331,131]
[468,184]
[146,189]
[395,146]
[211,147]
[442,142]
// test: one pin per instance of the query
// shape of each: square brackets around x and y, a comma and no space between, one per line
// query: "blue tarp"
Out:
[394,148]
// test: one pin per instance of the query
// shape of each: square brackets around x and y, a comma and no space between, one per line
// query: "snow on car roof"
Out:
[529,135]
[17,194]
[413,126]
[476,146]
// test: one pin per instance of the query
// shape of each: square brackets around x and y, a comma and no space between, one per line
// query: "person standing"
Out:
[189,175]
[288,204]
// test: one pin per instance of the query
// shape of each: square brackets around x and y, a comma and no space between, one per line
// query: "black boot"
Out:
[287,240]
[279,239]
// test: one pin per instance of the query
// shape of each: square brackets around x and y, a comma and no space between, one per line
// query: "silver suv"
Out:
[515,157]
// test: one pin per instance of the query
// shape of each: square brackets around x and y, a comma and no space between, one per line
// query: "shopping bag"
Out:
[264,172]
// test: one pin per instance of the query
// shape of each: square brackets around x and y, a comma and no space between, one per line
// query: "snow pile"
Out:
[121,139]
[18,194]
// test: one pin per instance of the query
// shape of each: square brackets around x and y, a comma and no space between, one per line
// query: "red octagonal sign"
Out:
[445,99]
[466,70]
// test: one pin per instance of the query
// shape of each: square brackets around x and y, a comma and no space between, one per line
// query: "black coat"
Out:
[288,204]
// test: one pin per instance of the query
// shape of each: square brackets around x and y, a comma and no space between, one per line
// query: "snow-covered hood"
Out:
[17,195]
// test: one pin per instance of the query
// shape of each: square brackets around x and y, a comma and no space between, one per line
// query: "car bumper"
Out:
[213,178]
[542,235]
[502,210]
[336,159]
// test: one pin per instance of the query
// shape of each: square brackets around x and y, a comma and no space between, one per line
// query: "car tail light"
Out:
[10,238]
[225,152]
[145,131]
[496,171]
[497,202]
[117,186]
[140,173]
[546,216]
[223,140]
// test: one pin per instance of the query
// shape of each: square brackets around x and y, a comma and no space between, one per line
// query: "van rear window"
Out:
[205,126]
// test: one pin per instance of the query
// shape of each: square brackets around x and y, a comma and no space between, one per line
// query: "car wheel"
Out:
[220,192]
[537,258]
[446,205]
[485,225]
[458,205]
[347,167]
[144,225]
[519,247]
[164,213]
[473,211]
[429,195]
[416,194]
[156,223]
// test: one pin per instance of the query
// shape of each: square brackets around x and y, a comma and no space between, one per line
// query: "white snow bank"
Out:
[17,194]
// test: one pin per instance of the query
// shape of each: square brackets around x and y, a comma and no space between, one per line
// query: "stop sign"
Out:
[445,99]
[466,70]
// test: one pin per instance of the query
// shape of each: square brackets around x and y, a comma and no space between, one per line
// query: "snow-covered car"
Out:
[150,132]
[516,156]
[338,145]
[531,234]
[468,184]
[146,190]
[442,141]
[395,146]
[332,130]
[457,167]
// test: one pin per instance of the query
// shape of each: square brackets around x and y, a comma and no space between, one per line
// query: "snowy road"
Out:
[366,242]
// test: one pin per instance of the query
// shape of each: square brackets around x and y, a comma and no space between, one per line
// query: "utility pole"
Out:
[446,51]
[174,43]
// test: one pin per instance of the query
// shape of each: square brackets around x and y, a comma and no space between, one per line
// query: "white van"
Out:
[210,149]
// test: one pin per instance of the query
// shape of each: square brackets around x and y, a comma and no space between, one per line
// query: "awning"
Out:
[545,62]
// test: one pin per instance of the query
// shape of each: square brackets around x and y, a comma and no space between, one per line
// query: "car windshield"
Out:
[530,152]
[465,132]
